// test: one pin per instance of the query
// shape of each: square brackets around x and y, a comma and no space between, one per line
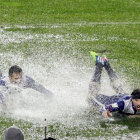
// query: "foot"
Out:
[98,59]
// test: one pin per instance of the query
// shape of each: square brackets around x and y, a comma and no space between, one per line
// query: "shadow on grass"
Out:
[132,122]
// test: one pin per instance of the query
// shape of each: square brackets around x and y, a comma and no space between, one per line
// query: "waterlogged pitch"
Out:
[52,45]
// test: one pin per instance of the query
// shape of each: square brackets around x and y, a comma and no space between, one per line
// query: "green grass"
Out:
[74,28]
[67,11]
[6,122]
[123,126]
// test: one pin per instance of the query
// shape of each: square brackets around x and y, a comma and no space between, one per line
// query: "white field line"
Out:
[7,37]
[18,37]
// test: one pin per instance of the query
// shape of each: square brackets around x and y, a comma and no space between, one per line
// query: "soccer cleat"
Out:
[94,54]
[98,59]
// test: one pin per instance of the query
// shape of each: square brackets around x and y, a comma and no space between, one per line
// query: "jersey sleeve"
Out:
[117,106]
[31,83]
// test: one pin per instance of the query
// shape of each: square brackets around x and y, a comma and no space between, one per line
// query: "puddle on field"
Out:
[69,83]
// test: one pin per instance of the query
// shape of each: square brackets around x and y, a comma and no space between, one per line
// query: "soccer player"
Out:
[16,77]
[121,102]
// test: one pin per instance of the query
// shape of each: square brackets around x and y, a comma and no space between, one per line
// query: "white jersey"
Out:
[123,105]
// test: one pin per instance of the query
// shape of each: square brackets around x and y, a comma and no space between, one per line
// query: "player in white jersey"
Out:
[121,102]
[17,78]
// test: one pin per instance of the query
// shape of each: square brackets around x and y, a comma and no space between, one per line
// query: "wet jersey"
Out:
[26,82]
[123,105]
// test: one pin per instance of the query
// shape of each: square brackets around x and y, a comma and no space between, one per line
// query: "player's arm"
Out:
[118,106]
[31,83]
[106,114]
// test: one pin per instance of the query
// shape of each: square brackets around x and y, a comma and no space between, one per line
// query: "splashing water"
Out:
[67,81]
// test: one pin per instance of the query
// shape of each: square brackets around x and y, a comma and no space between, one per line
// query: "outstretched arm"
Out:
[38,87]
[118,106]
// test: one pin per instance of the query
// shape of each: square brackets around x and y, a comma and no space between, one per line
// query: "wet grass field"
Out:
[52,39]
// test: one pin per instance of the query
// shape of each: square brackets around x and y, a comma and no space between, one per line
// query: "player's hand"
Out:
[107,114]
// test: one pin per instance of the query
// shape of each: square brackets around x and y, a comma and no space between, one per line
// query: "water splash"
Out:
[68,82]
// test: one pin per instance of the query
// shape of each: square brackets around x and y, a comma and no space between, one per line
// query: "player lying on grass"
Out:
[121,102]
[17,78]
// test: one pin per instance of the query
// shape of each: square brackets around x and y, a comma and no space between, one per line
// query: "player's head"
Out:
[15,74]
[135,95]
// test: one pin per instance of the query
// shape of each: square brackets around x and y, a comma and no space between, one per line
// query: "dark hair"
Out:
[135,94]
[14,69]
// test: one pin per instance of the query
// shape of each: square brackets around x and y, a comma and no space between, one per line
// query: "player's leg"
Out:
[94,86]
[114,81]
